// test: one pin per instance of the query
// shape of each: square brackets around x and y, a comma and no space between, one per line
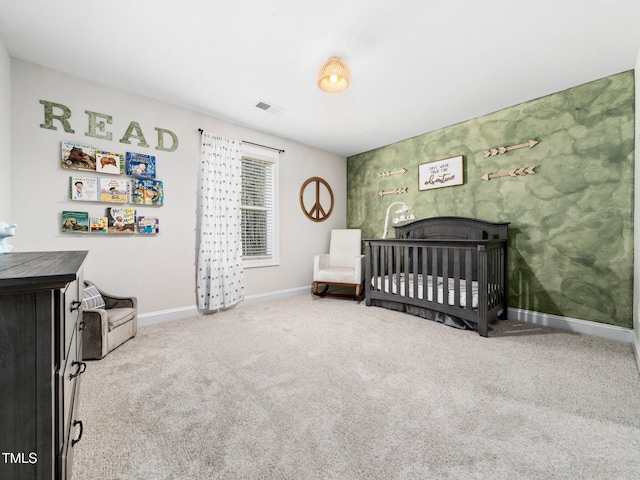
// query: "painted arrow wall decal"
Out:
[397,191]
[500,150]
[402,171]
[516,172]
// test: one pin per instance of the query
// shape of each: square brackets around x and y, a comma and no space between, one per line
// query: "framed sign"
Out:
[441,173]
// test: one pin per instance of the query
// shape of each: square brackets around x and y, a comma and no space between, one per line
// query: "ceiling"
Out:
[417,65]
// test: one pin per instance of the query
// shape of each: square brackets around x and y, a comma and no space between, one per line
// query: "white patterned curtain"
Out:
[219,270]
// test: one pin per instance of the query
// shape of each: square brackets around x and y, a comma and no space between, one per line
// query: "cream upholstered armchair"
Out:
[342,266]
[109,321]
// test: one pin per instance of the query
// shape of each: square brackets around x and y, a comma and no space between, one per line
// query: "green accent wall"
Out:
[571,232]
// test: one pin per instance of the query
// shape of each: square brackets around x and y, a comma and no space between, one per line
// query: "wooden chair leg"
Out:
[323,292]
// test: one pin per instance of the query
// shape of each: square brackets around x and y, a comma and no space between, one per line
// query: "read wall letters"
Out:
[97,127]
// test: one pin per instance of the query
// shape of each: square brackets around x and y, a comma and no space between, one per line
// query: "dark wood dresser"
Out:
[40,363]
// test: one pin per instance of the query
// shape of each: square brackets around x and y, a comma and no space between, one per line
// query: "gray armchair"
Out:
[109,320]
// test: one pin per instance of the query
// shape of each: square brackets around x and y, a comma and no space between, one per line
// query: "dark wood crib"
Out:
[449,269]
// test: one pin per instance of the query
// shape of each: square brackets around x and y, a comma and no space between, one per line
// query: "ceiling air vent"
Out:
[269,107]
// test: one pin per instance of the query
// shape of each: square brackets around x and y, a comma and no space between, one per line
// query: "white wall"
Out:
[5,135]
[159,270]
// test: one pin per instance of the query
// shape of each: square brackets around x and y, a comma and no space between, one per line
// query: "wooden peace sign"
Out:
[317,212]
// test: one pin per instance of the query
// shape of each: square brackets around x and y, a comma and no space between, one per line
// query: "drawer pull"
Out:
[82,326]
[76,440]
[82,366]
[75,305]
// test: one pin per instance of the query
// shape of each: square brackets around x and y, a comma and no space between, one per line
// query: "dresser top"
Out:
[39,269]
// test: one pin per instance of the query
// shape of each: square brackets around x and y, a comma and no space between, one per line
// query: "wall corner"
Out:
[636,219]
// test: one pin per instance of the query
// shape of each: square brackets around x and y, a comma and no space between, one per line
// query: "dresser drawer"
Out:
[68,387]
[71,315]
[73,436]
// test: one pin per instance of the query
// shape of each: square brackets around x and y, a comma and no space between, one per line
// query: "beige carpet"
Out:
[309,388]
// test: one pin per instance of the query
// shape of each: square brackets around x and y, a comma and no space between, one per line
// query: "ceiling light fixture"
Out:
[334,76]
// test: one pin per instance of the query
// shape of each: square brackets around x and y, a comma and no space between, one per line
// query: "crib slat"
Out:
[404,275]
[426,251]
[456,277]
[496,275]
[390,267]
[415,252]
[492,278]
[434,274]
[445,276]
[501,277]
[483,327]
[372,266]
[500,280]
[397,268]
[469,278]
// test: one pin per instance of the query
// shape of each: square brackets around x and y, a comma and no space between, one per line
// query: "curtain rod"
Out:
[280,150]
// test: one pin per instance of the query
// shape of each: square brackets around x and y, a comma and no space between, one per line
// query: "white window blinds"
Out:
[258,205]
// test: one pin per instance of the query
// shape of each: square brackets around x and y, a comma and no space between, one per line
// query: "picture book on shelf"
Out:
[148,192]
[75,222]
[121,220]
[109,162]
[98,225]
[114,190]
[140,165]
[84,188]
[78,156]
[148,225]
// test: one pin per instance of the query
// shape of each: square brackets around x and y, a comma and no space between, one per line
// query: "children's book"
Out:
[78,156]
[75,222]
[84,188]
[109,162]
[148,192]
[98,225]
[121,220]
[140,165]
[115,190]
[148,225]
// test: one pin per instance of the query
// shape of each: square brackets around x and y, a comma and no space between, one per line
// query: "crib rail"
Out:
[403,271]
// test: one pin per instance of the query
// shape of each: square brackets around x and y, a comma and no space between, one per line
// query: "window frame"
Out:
[271,156]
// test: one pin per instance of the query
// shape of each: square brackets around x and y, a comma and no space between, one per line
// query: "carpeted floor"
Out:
[308,388]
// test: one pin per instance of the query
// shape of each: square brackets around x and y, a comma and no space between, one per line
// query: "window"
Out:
[259,213]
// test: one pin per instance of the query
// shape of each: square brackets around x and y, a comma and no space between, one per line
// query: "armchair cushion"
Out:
[118,316]
[348,275]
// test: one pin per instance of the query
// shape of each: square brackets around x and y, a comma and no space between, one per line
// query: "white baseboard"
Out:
[167,315]
[636,348]
[279,295]
[192,311]
[596,329]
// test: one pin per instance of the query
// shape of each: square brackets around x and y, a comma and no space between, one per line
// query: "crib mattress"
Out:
[394,288]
